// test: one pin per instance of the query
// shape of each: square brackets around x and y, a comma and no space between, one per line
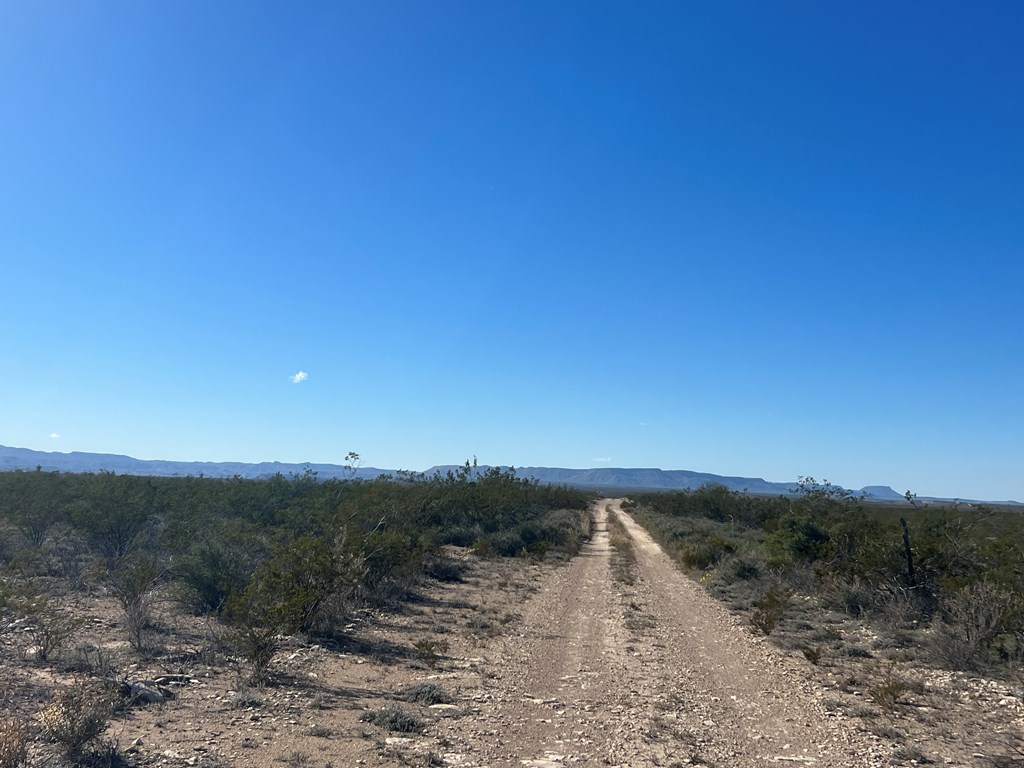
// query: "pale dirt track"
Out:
[655,673]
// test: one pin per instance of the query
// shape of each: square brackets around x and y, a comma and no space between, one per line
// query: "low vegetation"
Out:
[266,563]
[945,582]
[623,561]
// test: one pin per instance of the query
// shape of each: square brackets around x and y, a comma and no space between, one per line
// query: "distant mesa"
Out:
[610,478]
[882,493]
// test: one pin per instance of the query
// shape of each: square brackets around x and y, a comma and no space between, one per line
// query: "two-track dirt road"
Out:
[654,673]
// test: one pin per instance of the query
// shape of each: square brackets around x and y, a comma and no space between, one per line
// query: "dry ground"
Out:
[616,658]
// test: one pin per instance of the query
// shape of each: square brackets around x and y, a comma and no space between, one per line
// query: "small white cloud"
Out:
[54,436]
[643,424]
[605,460]
[298,378]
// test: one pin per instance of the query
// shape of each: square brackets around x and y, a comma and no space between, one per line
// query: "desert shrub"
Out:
[116,514]
[133,582]
[424,693]
[854,651]
[14,741]
[297,759]
[850,596]
[562,529]
[798,539]
[901,611]
[28,503]
[392,717]
[444,569]
[76,717]
[92,660]
[812,653]
[706,552]
[746,567]
[430,651]
[507,543]
[769,610]
[246,699]
[50,626]
[218,565]
[257,625]
[289,593]
[697,542]
[69,556]
[257,644]
[715,503]
[463,535]
[976,622]
[888,691]
[393,562]
[7,544]
[478,624]
[962,575]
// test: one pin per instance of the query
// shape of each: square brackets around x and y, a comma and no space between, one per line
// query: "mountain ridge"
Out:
[626,478]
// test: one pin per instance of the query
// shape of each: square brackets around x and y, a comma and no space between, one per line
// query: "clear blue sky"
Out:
[767,239]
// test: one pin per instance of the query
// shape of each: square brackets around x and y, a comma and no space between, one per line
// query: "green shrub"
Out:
[393,562]
[798,539]
[705,553]
[217,566]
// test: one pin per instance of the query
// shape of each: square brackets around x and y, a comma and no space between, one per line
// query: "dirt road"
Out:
[653,673]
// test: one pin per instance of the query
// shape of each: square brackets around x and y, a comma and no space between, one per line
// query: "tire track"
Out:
[655,673]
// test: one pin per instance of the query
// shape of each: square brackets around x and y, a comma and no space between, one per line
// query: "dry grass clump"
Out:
[891,688]
[14,740]
[430,651]
[76,717]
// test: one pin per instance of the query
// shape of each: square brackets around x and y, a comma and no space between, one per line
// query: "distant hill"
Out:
[601,477]
[648,479]
[24,458]
[882,493]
